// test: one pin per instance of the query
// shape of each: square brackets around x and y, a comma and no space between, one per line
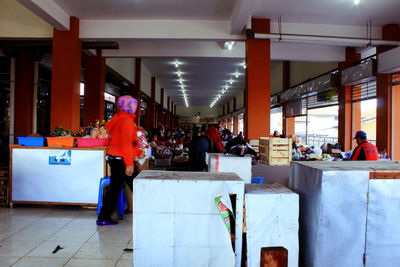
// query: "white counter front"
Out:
[349,213]
[56,175]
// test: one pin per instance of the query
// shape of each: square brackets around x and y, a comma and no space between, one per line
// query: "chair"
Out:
[105,181]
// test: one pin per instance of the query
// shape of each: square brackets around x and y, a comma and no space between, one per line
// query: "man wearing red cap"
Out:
[365,150]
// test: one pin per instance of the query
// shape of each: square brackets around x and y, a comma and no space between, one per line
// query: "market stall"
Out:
[179,219]
[272,220]
[348,212]
[219,162]
[56,175]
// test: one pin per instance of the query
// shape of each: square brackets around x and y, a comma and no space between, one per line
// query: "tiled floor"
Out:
[28,236]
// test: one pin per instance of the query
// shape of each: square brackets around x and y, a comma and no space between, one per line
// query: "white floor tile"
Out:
[112,251]
[46,249]
[72,235]
[39,234]
[124,263]
[41,262]
[8,261]
[90,263]
[17,247]
[109,235]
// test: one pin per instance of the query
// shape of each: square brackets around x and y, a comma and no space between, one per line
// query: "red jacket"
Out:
[365,151]
[123,134]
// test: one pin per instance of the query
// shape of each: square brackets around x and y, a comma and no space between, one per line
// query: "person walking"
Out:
[121,154]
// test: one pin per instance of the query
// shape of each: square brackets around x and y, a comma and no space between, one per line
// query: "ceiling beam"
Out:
[48,11]
[212,49]
[178,48]
[157,29]
[241,14]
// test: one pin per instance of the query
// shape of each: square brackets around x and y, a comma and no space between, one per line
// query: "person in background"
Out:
[210,142]
[121,154]
[365,150]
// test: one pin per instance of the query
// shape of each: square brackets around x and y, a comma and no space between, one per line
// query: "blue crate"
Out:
[257,180]
[31,141]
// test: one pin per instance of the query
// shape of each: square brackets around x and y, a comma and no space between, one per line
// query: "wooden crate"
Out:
[255,145]
[274,257]
[275,151]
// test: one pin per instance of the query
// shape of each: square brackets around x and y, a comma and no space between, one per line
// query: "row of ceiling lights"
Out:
[226,86]
[181,85]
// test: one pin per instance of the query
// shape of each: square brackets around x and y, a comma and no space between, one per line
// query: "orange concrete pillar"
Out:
[135,91]
[171,119]
[151,106]
[356,113]
[384,112]
[168,119]
[95,83]
[346,108]
[287,123]
[24,69]
[258,82]
[396,121]
[235,125]
[229,123]
[175,124]
[384,96]
[66,77]
[161,109]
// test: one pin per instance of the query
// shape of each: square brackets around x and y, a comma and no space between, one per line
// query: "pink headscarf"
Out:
[127,103]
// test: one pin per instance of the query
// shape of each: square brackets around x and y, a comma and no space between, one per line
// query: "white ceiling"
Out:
[192,30]
[342,12]
[149,9]
[203,78]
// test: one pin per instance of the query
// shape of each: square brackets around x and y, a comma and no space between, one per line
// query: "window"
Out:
[240,123]
[364,110]
[322,126]
[276,120]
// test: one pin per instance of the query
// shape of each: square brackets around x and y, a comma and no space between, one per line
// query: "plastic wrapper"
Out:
[320,84]
[361,73]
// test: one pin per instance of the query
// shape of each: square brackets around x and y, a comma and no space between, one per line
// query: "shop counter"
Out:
[177,222]
[349,212]
[219,162]
[48,175]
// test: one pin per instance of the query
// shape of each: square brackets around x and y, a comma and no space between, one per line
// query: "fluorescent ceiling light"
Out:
[229,45]
[237,75]
[356,2]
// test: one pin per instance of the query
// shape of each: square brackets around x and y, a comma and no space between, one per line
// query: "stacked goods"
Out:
[275,151]
[255,145]
[3,186]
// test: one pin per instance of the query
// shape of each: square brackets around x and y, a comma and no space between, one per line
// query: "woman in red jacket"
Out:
[121,154]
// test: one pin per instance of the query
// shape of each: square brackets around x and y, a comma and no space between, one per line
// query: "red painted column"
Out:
[23,93]
[384,112]
[151,106]
[384,96]
[171,116]
[138,86]
[95,83]
[168,117]
[235,125]
[396,122]
[287,123]
[161,109]
[258,82]
[66,77]
[346,108]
